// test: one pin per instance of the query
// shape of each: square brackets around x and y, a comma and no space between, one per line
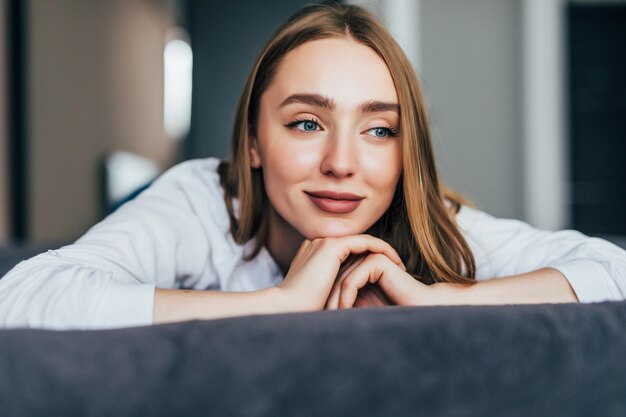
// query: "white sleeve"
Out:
[595,268]
[107,277]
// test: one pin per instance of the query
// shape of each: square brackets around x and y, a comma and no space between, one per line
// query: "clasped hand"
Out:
[351,271]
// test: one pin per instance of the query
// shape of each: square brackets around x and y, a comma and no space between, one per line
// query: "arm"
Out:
[305,288]
[515,264]
[179,305]
[521,256]
[107,278]
[545,285]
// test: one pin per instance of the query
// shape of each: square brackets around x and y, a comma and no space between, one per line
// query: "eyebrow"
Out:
[311,99]
[371,106]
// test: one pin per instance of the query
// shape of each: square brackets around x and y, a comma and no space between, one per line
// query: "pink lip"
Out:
[334,202]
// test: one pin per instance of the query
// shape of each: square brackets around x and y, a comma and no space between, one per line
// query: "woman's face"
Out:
[327,139]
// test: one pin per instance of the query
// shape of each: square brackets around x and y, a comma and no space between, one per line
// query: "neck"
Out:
[283,241]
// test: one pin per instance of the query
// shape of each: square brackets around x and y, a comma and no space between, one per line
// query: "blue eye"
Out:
[304,125]
[381,132]
[307,125]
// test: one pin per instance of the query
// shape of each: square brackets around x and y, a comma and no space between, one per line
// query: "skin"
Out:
[319,130]
[344,152]
[328,261]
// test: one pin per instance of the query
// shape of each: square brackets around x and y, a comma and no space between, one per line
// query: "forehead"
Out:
[347,71]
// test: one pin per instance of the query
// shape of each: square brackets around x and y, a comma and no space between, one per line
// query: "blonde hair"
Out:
[417,224]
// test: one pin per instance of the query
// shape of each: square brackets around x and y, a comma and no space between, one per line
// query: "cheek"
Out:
[382,169]
[286,161]
[286,155]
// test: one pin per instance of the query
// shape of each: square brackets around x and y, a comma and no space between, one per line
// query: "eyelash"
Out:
[301,120]
[391,132]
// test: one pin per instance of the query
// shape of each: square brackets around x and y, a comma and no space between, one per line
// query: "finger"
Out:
[349,263]
[398,287]
[377,291]
[369,296]
[369,271]
[356,244]
[333,299]
[332,303]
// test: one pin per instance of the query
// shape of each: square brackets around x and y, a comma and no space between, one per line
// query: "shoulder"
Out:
[474,221]
[193,170]
[189,188]
[487,234]
[189,181]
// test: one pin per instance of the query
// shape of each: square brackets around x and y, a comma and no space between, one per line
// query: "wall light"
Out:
[178,63]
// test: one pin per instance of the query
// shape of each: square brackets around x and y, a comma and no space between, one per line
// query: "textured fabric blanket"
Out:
[534,360]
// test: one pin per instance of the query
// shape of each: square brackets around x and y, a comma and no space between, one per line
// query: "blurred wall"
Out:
[95,84]
[468,57]
[471,65]
[4,201]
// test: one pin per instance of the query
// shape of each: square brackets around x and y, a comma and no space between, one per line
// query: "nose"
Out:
[339,158]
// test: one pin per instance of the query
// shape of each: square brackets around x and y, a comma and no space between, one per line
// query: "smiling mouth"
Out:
[333,202]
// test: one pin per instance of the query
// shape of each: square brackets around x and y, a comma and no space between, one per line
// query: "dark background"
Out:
[597,64]
[221,68]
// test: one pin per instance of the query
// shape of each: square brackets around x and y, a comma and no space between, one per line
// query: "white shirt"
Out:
[176,235]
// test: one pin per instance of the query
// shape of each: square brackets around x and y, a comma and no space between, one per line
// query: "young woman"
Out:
[330,200]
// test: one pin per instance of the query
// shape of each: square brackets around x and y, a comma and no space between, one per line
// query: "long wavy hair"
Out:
[418,222]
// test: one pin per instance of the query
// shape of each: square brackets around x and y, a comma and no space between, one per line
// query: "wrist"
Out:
[281,302]
[446,294]
[274,299]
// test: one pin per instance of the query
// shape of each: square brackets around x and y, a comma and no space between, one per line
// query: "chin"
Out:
[333,229]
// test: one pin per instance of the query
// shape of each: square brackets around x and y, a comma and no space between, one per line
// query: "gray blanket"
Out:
[535,360]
